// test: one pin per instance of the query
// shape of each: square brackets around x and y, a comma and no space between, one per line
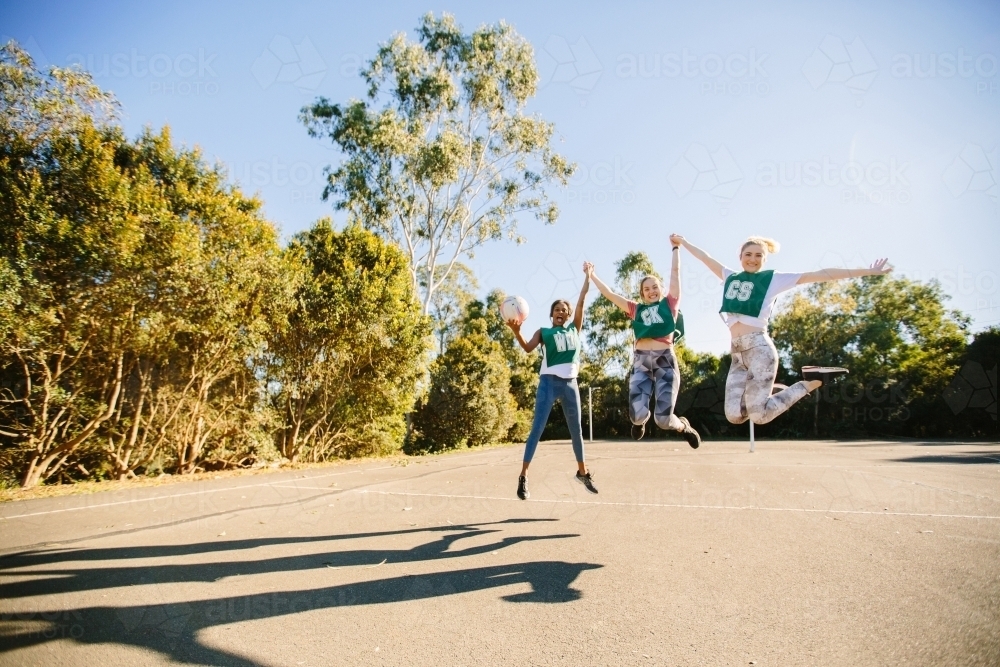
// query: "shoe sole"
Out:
[696,442]
[821,377]
[828,373]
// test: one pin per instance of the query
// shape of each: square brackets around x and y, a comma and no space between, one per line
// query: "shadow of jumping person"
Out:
[172,629]
[50,581]
[32,556]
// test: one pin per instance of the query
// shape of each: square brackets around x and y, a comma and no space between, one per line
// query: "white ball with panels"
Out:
[514,308]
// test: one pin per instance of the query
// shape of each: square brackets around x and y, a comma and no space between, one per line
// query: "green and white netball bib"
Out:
[562,345]
[653,320]
[743,293]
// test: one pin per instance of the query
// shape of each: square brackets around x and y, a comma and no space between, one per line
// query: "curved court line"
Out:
[192,493]
[680,506]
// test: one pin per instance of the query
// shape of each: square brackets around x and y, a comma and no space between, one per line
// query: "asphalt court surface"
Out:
[802,553]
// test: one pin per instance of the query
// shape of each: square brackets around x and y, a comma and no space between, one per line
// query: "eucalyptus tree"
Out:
[449,301]
[441,156]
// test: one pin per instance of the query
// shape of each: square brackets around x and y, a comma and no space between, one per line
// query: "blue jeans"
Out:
[551,388]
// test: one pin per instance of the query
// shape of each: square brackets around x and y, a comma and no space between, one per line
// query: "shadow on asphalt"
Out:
[171,629]
[33,557]
[56,580]
[951,458]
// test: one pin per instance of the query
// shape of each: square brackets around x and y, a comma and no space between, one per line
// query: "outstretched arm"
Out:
[879,267]
[578,313]
[675,270]
[526,345]
[616,299]
[713,265]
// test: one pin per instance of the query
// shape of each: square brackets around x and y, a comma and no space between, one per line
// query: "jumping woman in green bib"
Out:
[747,300]
[655,324]
[560,345]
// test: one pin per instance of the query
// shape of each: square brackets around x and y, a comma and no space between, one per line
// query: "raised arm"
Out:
[713,265]
[675,270]
[879,267]
[578,313]
[616,299]
[526,345]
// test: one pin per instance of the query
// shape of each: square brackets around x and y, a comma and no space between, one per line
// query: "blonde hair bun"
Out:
[769,245]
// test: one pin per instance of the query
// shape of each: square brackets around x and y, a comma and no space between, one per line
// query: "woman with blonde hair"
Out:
[654,321]
[747,299]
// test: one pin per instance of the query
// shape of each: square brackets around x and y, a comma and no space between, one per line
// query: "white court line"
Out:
[679,506]
[181,495]
[785,465]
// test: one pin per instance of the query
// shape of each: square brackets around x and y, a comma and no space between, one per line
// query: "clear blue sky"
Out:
[847,131]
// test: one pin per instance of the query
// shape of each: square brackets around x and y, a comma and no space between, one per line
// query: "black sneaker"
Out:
[689,434]
[587,481]
[522,488]
[638,430]
[822,373]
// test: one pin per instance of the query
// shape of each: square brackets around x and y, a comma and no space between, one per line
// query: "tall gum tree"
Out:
[441,157]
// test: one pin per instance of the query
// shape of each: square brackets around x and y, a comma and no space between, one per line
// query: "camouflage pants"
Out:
[654,371]
[751,379]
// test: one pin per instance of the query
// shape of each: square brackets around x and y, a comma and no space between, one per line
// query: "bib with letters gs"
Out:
[743,293]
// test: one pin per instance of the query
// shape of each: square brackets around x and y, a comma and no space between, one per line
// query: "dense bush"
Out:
[469,401]
[150,320]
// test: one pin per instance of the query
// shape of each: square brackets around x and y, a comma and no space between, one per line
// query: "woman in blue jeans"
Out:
[560,345]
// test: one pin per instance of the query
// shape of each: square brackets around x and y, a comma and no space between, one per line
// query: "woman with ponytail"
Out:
[747,299]
[657,326]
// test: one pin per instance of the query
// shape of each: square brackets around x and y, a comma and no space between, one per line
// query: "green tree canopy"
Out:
[523,367]
[900,342]
[441,157]
[450,300]
[469,401]
[140,286]
[347,363]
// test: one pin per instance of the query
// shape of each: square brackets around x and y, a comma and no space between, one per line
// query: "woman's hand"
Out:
[588,269]
[880,267]
[515,326]
[676,240]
